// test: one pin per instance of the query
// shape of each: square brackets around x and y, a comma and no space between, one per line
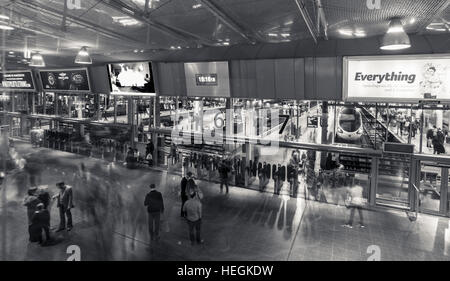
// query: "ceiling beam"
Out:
[440,9]
[143,17]
[321,19]
[308,21]
[250,36]
[69,18]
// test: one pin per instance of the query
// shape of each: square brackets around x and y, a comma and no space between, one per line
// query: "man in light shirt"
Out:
[193,211]
[355,201]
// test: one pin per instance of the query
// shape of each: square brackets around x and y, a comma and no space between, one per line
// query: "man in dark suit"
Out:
[64,203]
[155,206]
[184,194]
[39,222]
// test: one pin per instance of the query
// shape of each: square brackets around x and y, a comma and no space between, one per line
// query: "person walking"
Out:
[65,204]
[155,207]
[183,191]
[355,201]
[193,209]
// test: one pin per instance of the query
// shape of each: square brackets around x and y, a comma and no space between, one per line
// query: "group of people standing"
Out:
[436,139]
[38,203]
[191,209]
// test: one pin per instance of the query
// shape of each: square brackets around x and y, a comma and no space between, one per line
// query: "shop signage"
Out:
[405,78]
[207,79]
[65,80]
[313,121]
[17,81]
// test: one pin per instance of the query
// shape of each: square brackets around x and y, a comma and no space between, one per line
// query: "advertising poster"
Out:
[17,81]
[397,78]
[65,80]
[131,78]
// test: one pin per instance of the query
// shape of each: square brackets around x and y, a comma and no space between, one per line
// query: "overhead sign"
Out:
[65,80]
[17,81]
[207,79]
[406,78]
[312,121]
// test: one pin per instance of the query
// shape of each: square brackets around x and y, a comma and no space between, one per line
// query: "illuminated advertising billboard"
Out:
[17,81]
[207,79]
[406,78]
[134,78]
[65,80]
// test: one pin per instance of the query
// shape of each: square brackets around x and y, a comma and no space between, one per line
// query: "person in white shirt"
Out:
[193,211]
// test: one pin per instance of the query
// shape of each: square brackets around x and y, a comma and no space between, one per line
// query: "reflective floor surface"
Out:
[110,222]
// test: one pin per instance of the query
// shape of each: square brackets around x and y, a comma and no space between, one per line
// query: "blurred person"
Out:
[355,201]
[65,204]
[40,222]
[31,201]
[183,191]
[223,171]
[193,209]
[155,207]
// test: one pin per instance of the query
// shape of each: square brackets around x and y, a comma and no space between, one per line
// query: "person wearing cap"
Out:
[155,207]
[39,222]
[31,201]
[64,203]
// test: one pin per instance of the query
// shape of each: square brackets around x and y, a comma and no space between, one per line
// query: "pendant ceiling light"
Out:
[37,60]
[395,38]
[83,56]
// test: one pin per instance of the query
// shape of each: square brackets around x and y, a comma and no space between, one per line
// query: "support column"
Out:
[70,102]
[444,191]
[115,110]
[373,181]
[156,124]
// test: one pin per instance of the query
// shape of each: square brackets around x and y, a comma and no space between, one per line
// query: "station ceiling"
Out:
[115,29]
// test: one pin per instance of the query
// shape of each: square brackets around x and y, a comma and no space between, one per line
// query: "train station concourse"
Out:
[224,130]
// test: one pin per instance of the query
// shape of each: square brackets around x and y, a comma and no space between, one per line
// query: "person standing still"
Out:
[155,207]
[355,201]
[183,191]
[64,203]
[224,176]
[193,209]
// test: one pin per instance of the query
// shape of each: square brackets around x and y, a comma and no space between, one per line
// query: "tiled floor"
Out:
[110,221]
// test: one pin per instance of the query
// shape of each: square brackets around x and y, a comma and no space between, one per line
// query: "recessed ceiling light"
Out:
[126,21]
[4,17]
[272,34]
[285,34]
[196,6]
[11,52]
[141,51]
[136,50]
[226,43]
[412,20]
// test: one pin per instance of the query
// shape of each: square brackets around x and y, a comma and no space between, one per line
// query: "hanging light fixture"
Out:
[37,60]
[396,37]
[83,56]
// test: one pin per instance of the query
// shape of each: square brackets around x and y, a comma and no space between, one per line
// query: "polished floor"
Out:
[111,223]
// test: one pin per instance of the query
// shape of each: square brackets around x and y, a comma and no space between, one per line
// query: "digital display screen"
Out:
[17,81]
[65,80]
[131,78]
